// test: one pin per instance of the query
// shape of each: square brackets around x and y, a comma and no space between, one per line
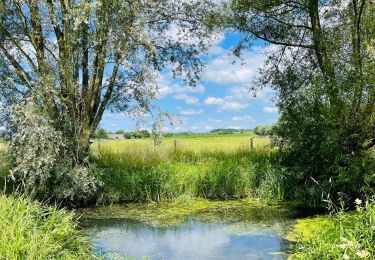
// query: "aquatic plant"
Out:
[173,213]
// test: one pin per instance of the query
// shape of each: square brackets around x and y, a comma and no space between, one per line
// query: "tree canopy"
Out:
[322,68]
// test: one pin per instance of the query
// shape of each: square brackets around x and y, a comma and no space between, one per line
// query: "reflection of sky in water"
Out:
[193,240]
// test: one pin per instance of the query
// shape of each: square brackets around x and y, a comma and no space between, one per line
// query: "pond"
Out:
[212,230]
[192,240]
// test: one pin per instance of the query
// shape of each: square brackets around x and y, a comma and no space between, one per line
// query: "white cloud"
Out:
[223,70]
[225,103]
[233,106]
[167,86]
[214,120]
[269,109]
[208,128]
[244,93]
[191,112]
[244,118]
[214,101]
[188,99]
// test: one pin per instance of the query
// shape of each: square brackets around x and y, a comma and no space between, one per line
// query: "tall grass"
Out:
[29,230]
[350,236]
[228,143]
[142,173]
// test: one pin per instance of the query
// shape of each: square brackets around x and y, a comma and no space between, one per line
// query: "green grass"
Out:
[29,230]
[136,171]
[345,235]
[195,143]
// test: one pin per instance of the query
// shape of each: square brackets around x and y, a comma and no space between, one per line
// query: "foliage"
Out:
[4,162]
[263,130]
[100,133]
[350,236]
[74,60]
[42,162]
[322,69]
[138,134]
[30,230]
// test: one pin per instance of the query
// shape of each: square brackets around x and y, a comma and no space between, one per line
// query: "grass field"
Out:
[195,143]
[209,167]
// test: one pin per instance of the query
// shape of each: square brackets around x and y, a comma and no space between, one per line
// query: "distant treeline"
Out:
[262,130]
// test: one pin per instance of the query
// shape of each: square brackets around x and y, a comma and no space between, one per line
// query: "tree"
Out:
[263,130]
[323,72]
[120,132]
[100,133]
[73,60]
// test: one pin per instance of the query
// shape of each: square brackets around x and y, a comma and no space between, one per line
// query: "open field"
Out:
[209,167]
[196,143]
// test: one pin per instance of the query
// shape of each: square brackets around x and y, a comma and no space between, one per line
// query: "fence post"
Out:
[251,144]
[175,145]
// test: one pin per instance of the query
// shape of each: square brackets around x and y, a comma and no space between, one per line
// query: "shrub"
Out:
[29,230]
[41,164]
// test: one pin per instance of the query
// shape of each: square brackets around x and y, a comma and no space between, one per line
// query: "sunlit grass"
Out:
[196,144]
[209,167]
[29,230]
[345,235]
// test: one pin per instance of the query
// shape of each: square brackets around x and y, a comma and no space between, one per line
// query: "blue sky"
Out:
[221,100]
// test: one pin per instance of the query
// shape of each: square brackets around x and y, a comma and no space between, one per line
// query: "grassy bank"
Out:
[141,174]
[345,235]
[29,230]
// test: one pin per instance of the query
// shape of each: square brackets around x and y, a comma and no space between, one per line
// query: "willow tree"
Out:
[74,59]
[322,67]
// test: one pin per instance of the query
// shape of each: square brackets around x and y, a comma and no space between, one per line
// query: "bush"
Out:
[322,157]
[351,236]
[41,164]
[30,230]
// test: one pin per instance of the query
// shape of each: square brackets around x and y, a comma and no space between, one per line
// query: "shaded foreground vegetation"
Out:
[29,230]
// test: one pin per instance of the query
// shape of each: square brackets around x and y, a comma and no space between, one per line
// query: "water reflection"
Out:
[192,240]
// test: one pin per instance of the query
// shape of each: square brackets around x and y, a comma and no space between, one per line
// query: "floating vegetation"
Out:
[174,213]
[305,228]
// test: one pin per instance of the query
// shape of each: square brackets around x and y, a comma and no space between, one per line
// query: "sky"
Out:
[221,100]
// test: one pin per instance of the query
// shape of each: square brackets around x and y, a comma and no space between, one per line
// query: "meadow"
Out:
[194,143]
[208,167]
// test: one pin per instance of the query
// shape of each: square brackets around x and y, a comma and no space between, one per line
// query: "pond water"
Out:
[190,240]
[193,229]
